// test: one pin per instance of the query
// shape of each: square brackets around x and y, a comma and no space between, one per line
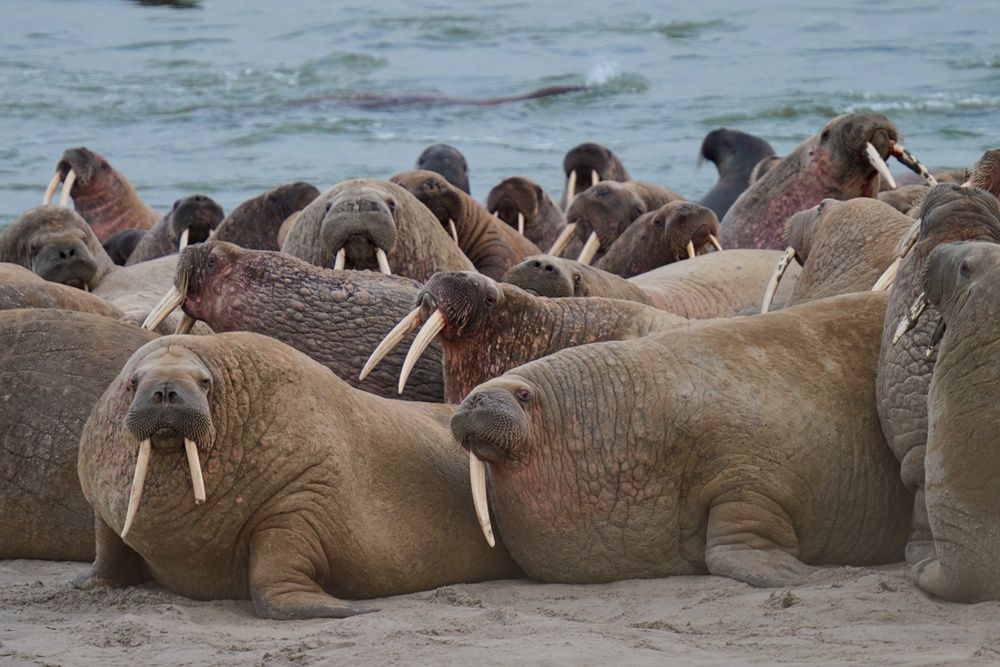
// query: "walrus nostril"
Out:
[172,397]
[549,268]
[536,264]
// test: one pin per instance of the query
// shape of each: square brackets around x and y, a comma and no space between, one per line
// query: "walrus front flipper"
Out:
[116,564]
[750,542]
[283,579]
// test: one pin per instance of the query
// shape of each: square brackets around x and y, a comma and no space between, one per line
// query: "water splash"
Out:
[602,73]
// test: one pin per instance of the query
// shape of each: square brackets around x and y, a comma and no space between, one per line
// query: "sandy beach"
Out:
[845,616]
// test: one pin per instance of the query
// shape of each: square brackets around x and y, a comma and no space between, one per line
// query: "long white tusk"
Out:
[341,260]
[383,261]
[715,242]
[595,178]
[570,187]
[477,478]
[432,327]
[391,340]
[590,249]
[565,236]
[888,276]
[197,481]
[910,238]
[51,190]
[451,228]
[183,243]
[967,184]
[186,324]
[880,166]
[162,310]
[67,188]
[910,161]
[138,480]
[690,249]
[772,283]
[520,223]
[911,318]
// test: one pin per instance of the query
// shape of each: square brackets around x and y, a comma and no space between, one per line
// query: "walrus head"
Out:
[192,220]
[587,165]
[544,275]
[359,229]
[985,173]
[516,201]
[58,245]
[602,213]
[438,195]
[733,150]
[169,413]
[255,223]
[448,162]
[81,171]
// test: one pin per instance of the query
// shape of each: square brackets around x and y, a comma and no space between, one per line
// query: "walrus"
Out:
[985,173]
[121,245]
[682,452]
[191,220]
[233,466]
[255,223]
[447,161]
[335,317]
[961,463]
[490,245]
[845,159]
[675,231]
[376,225]
[396,101]
[735,154]
[586,165]
[101,194]
[604,211]
[54,364]
[526,207]
[486,328]
[904,197]
[761,168]
[20,288]
[545,275]
[949,213]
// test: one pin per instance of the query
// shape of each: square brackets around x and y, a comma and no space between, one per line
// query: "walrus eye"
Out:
[328,206]
[212,263]
[205,384]
[105,165]
[33,249]
[965,268]
[576,278]
[491,299]
[176,204]
[522,394]
[825,135]
[391,203]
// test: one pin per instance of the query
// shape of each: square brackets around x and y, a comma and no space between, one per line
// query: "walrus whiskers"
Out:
[432,327]
[383,261]
[391,340]
[880,166]
[477,479]
[67,187]
[563,239]
[772,283]
[590,249]
[168,304]
[197,480]
[51,189]
[138,481]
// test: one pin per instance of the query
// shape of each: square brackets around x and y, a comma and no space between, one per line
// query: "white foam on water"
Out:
[602,73]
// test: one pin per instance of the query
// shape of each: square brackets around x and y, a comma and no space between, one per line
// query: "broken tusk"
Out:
[772,283]
[520,223]
[51,190]
[432,327]
[880,166]
[690,249]
[912,317]
[162,310]
[340,261]
[383,261]
[908,160]
[595,178]
[590,249]
[451,228]
[888,276]
[186,324]
[565,236]
[67,187]
[570,187]
[477,478]
[197,481]
[138,480]
[391,340]
[715,242]
[183,242]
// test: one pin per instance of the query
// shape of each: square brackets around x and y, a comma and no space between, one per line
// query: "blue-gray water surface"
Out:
[215,99]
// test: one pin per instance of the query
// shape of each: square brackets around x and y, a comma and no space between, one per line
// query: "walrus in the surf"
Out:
[734,154]
[447,161]
[387,101]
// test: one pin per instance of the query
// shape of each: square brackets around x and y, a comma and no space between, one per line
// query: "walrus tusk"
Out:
[690,249]
[967,184]
[186,324]
[383,261]
[570,187]
[715,242]
[908,160]
[197,481]
[67,187]
[341,260]
[391,340]
[910,238]
[162,310]
[51,190]
[451,228]
[888,276]
[183,242]
[477,478]
[772,283]
[880,166]
[520,223]
[432,327]
[563,239]
[138,480]
[595,178]
[912,317]
[590,249]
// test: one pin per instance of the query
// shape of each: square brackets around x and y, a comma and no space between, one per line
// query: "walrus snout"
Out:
[193,219]
[169,410]
[542,276]
[491,422]
[83,161]
[359,232]
[66,262]
[448,162]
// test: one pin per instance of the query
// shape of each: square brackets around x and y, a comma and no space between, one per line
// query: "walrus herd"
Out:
[330,396]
